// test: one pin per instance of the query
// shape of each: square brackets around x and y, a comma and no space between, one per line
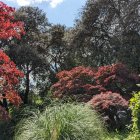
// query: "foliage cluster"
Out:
[107,88]
[107,32]
[9,28]
[9,74]
[135,107]
[9,79]
[74,83]
[88,81]
[113,107]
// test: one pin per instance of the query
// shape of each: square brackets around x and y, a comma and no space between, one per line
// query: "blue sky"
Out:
[57,11]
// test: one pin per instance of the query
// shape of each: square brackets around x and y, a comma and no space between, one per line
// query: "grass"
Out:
[62,122]
[117,136]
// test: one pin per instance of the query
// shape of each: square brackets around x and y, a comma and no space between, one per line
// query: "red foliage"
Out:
[117,78]
[9,28]
[9,74]
[107,88]
[105,100]
[85,82]
[9,78]
[74,83]
[113,107]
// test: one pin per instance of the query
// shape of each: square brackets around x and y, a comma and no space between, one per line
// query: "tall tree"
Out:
[108,31]
[9,74]
[29,52]
[58,48]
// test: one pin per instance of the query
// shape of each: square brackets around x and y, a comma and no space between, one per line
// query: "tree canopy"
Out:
[9,74]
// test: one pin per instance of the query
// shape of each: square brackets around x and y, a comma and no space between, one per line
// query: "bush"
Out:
[118,78]
[82,83]
[113,108]
[7,128]
[63,122]
[73,84]
[135,107]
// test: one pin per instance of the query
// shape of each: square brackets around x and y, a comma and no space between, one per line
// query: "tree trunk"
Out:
[27,85]
[5,104]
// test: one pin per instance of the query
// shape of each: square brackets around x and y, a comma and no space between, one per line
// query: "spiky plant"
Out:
[63,122]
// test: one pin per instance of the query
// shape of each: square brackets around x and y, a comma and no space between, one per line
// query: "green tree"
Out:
[59,49]
[30,52]
[108,31]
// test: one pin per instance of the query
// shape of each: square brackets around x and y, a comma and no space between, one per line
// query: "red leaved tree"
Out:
[8,27]
[113,107]
[83,83]
[9,74]
[118,78]
[74,84]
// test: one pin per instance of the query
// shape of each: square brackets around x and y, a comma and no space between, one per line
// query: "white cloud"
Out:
[53,3]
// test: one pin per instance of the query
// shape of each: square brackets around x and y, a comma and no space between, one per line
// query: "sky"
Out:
[58,11]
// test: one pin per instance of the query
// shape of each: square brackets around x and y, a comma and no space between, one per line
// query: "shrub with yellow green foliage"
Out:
[135,107]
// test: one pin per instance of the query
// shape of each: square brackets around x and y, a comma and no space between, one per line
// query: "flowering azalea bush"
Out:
[9,74]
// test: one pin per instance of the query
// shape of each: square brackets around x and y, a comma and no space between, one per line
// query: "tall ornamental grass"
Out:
[63,122]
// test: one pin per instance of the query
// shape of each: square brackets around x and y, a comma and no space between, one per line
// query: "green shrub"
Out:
[7,128]
[118,136]
[63,122]
[135,107]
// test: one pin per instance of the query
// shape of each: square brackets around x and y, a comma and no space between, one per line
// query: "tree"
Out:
[82,83]
[58,51]
[107,32]
[9,74]
[30,52]
[73,84]
[118,78]
[9,28]
[56,47]
[42,52]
